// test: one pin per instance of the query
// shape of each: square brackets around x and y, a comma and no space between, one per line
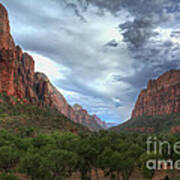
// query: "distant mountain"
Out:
[111,124]
[91,121]
[18,79]
[157,107]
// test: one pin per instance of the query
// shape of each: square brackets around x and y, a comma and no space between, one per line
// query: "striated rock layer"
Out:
[162,96]
[17,78]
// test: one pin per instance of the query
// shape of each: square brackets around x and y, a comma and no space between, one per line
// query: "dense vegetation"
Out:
[13,117]
[58,155]
[39,144]
[160,123]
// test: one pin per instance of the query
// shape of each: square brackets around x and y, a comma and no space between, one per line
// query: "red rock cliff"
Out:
[82,114]
[162,96]
[17,78]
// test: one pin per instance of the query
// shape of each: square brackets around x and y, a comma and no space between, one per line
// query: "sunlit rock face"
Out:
[162,96]
[18,79]
[6,41]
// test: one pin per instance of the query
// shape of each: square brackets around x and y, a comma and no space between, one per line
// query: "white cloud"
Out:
[53,70]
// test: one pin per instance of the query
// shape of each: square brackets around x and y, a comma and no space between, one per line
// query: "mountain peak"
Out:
[77,107]
[160,97]
[167,79]
[6,40]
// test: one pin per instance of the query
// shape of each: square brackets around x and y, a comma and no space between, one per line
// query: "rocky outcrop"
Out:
[100,122]
[18,79]
[6,41]
[162,96]
[86,119]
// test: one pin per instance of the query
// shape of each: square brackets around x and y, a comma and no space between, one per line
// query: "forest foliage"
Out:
[57,156]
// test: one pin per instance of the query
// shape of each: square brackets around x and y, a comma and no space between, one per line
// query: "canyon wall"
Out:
[18,79]
[162,96]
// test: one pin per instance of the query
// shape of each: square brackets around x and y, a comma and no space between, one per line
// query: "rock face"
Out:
[162,96]
[18,79]
[82,114]
[6,41]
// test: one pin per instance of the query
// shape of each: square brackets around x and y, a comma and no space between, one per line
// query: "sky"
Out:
[99,53]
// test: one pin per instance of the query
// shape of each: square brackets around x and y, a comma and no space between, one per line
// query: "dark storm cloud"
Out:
[112,6]
[140,79]
[147,15]
[156,53]
[76,11]
[175,34]
[146,19]
[136,7]
[112,43]
[137,32]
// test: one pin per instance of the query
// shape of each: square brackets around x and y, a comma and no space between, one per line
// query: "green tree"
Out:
[8,177]
[67,141]
[35,166]
[105,162]
[63,163]
[87,155]
[147,173]
[8,158]
[42,140]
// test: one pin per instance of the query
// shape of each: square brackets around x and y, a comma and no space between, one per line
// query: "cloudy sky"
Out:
[99,53]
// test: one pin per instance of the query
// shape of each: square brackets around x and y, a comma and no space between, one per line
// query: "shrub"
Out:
[8,158]
[8,177]
[4,115]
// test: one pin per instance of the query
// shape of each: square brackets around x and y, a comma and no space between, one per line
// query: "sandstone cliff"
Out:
[157,108]
[17,78]
[162,96]
[82,114]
